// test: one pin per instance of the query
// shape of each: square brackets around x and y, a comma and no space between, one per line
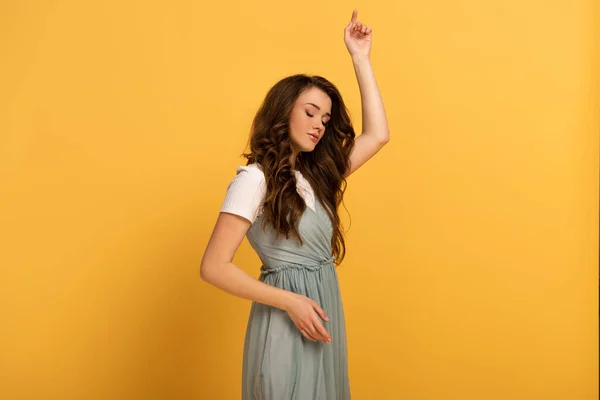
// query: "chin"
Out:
[304,148]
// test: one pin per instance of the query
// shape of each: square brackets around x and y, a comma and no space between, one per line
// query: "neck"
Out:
[293,159]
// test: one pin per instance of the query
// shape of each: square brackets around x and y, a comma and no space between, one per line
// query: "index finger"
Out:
[354,15]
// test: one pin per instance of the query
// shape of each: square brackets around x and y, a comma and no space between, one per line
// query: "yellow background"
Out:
[472,267]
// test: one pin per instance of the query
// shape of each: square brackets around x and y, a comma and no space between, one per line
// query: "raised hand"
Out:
[357,37]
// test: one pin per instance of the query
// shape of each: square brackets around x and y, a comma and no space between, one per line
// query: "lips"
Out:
[314,135]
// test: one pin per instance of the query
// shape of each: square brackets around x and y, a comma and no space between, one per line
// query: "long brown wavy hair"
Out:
[324,167]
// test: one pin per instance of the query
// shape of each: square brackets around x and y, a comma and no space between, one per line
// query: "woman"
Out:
[285,200]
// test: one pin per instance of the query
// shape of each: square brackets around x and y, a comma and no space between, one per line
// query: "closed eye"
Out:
[310,115]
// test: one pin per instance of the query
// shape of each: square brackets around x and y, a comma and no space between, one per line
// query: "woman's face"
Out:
[308,119]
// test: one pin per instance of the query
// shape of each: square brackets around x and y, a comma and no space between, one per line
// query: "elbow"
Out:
[385,139]
[207,276]
[203,274]
[210,271]
[206,272]
[382,137]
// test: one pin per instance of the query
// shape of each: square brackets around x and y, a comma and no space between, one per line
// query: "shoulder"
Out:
[248,179]
[245,192]
[250,176]
[251,171]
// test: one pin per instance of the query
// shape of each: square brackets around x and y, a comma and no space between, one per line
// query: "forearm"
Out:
[234,280]
[373,112]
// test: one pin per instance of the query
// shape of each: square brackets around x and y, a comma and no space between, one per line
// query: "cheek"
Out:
[298,124]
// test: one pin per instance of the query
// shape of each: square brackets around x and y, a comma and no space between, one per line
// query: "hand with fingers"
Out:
[357,37]
[305,314]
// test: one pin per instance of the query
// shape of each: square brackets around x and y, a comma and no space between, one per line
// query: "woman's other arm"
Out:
[218,269]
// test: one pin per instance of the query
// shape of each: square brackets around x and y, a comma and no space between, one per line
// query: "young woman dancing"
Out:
[285,201]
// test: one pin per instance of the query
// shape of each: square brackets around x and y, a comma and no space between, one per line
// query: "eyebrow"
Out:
[318,108]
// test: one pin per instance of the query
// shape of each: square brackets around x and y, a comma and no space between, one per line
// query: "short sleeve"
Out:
[245,193]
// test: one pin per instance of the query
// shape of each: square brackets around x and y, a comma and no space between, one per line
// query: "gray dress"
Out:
[279,363]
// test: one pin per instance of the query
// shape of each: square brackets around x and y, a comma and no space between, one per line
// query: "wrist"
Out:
[360,58]
[286,299]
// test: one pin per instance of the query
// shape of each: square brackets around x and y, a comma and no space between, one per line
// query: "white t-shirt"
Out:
[246,191]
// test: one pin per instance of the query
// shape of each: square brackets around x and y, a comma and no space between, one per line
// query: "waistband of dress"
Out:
[264,270]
